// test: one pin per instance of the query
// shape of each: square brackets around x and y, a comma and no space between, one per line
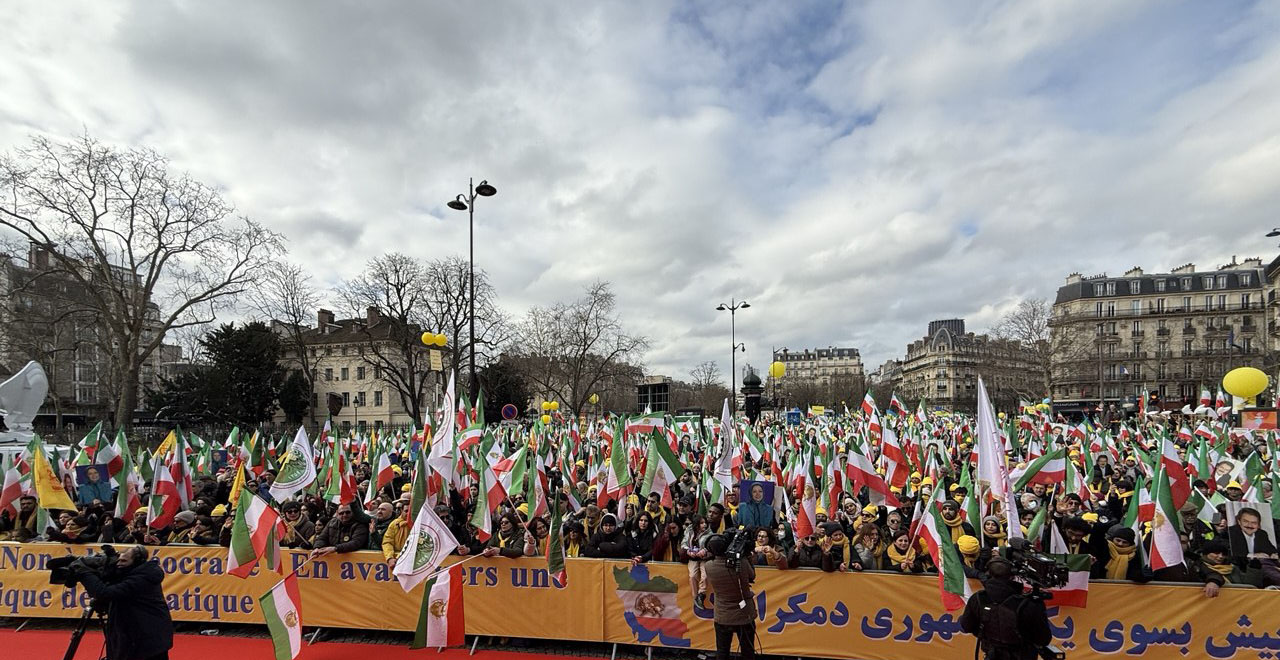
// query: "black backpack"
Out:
[999,623]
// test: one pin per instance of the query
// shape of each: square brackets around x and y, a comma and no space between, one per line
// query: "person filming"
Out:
[735,605]
[1008,624]
[138,626]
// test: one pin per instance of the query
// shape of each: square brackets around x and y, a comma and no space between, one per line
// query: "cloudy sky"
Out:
[852,170]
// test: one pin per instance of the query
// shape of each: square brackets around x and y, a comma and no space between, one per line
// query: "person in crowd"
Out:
[869,547]
[1121,560]
[609,542]
[837,551]
[766,551]
[993,535]
[382,517]
[94,489]
[807,553]
[693,549]
[956,525]
[640,537]
[1216,570]
[574,539]
[21,527]
[717,518]
[72,528]
[900,556]
[508,540]
[535,538]
[299,530]
[394,538]
[345,532]
[184,523]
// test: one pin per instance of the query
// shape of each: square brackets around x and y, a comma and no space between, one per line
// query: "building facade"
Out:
[942,369]
[349,359]
[820,365]
[1168,334]
[889,373]
[46,315]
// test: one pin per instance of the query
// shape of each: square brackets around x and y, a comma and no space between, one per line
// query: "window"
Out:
[1222,281]
[360,399]
[1111,309]
[1135,307]
[346,373]
[1136,371]
[1244,301]
[1246,344]
[1207,282]
[1161,371]
[1137,328]
[1111,288]
[1160,324]
[1186,323]
[344,351]
[1159,304]
[1186,347]
[359,373]
[1246,279]
[1159,285]
[377,398]
[328,351]
[1208,303]
[328,373]
[346,398]
[1186,303]
[1098,289]
[1186,284]
[377,373]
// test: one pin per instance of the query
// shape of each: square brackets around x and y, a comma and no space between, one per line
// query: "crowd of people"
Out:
[861,533]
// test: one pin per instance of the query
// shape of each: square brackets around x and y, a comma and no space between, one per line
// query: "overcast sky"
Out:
[853,171]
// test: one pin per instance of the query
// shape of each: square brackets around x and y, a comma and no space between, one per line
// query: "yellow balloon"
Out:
[555,405]
[441,340]
[546,405]
[546,419]
[428,338]
[1244,382]
[777,370]
[594,399]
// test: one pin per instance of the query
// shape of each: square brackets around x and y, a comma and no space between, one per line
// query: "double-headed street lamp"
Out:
[467,203]
[733,308]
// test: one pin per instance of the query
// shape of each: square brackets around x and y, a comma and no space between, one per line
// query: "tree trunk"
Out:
[128,396]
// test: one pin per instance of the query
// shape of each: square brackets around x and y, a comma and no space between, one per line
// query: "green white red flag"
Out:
[255,534]
[282,609]
[441,617]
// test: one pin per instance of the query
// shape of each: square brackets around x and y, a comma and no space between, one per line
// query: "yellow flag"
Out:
[49,490]
[237,485]
[169,441]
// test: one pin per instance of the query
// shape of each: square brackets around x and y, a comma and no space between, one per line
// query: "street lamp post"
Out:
[733,308]
[467,203]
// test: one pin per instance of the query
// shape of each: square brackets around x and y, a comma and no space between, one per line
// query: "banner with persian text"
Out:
[802,612]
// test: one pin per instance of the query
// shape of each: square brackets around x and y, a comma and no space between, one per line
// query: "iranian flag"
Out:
[428,544]
[282,608]
[618,480]
[1049,469]
[1075,593]
[490,498]
[1166,547]
[1179,482]
[11,490]
[646,424]
[555,548]
[440,619]
[663,470]
[955,589]
[862,473]
[255,535]
[128,497]
[651,603]
[112,455]
[165,499]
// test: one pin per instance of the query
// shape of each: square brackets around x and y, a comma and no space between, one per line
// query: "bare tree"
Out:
[1027,325]
[154,250]
[287,300]
[394,284]
[447,310]
[570,348]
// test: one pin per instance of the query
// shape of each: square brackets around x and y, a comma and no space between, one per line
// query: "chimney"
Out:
[324,318]
[1073,278]
[371,316]
[37,257]
[1136,271]
[1184,269]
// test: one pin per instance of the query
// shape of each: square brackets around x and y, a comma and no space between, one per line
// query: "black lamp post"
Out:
[467,203]
[733,308]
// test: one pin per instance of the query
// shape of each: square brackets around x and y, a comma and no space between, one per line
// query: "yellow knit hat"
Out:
[967,544]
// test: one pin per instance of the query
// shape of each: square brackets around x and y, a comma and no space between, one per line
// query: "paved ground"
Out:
[552,647]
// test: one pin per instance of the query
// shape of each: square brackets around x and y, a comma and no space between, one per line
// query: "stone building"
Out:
[942,369]
[1168,334]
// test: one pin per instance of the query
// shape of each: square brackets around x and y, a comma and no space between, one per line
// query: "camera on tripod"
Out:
[738,542]
[1036,569]
[66,570]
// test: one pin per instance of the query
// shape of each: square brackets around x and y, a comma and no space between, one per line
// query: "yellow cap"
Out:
[871,508]
[820,510]
[1090,516]
[1235,484]
[397,469]
[406,488]
[915,475]
[220,510]
[927,481]
[967,544]
[140,511]
[523,509]
[954,487]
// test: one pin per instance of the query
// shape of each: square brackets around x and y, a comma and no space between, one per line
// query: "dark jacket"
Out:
[730,589]
[805,556]
[640,544]
[608,546]
[1033,622]
[1261,542]
[344,538]
[138,623]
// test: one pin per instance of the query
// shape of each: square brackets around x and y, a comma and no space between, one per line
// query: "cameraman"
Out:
[735,605]
[138,626]
[1008,625]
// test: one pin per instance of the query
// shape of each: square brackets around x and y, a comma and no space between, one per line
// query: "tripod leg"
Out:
[78,633]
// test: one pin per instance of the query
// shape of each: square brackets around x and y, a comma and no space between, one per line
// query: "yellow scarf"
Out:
[1221,569]
[1118,567]
[846,549]
[957,528]
[571,550]
[899,558]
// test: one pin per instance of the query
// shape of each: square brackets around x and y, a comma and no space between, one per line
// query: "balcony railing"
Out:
[1154,311]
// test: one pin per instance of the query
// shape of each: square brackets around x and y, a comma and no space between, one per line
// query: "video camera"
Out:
[66,570]
[739,539]
[1036,569]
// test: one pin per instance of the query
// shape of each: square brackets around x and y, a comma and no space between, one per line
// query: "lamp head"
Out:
[486,190]
[457,204]
[721,307]
[1273,233]
[744,305]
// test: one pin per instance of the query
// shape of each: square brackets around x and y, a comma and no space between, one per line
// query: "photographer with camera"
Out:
[138,626]
[730,578]
[1009,624]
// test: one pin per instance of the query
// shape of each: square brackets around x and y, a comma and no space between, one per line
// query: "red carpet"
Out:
[52,644]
